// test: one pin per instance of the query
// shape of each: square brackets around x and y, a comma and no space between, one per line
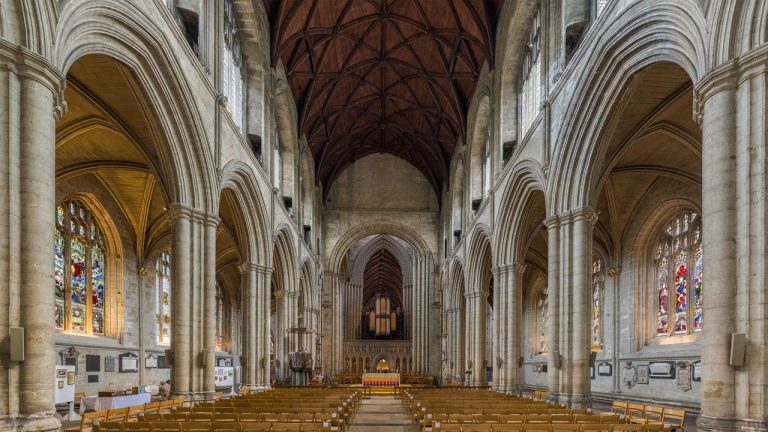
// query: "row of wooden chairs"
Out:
[640,413]
[523,419]
[597,427]
[240,417]
[210,427]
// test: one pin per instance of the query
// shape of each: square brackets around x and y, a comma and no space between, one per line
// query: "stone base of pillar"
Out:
[38,422]
[704,423]
[576,401]
[195,396]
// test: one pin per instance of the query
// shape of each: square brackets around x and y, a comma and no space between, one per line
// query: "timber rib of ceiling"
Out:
[392,76]
[383,275]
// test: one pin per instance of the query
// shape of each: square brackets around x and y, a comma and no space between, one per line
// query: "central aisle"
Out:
[382,413]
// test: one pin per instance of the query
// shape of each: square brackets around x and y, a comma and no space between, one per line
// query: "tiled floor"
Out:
[382,413]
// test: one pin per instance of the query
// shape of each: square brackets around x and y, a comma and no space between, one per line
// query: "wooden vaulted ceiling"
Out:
[383,275]
[392,76]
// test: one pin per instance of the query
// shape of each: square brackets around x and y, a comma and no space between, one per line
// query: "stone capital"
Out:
[614,271]
[510,268]
[182,211]
[28,64]
[250,266]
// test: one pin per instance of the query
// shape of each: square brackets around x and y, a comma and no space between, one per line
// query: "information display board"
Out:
[64,384]
[224,376]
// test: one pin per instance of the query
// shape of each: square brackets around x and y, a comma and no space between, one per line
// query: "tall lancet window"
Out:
[679,270]
[219,319]
[540,335]
[232,66]
[530,90]
[79,269]
[598,287]
[163,289]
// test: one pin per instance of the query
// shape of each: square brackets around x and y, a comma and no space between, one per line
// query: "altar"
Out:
[390,379]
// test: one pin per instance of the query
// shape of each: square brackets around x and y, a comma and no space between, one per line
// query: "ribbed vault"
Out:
[383,275]
[392,76]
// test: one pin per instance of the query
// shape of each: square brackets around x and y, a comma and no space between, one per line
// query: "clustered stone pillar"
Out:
[28,88]
[569,269]
[353,299]
[423,280]
[193,295]
[498,357]
[477,301]
[256,281]
[509,285]
[334,287]
[733,216]
[455,334]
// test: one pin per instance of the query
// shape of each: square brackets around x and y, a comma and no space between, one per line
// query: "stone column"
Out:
[209,305]
[256,323]
[553,307]
[720,194]
[580,347]
[407,309]
[263,325]
[193,290]
[280,336]
[423,278]
[29,88]
[514,321]
[498,358]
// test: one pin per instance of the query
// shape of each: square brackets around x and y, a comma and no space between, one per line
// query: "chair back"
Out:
[117,414]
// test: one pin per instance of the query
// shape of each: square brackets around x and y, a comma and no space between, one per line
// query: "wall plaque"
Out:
[92,363]
[129,363]
[605,369]
[150,361]
[109,364]
[642,374]
[683,376]
[662,370]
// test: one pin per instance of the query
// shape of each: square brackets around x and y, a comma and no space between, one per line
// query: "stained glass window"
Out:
[677,251]
[163,289]
[79,270]
[541,323]
[598,287]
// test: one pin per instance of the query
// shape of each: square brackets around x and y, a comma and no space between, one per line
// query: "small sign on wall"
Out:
[696,371]
[109,364]
[150,362]
[642,374]
[605,369]
[662,370]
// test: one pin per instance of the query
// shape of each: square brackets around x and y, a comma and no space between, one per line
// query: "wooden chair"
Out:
[610,418]
[151,407]
[449,427]
[561,418]
[596,427]
[675,417]
[177,417]
[139,426]
[87,420]
[566,427]
[200,417]
[636,413]
[538,418]
[224,410]
[183,410]
[152,417]
[203,409]
[117,415]
[134,411]
[303,418]
[508,427]
[627,427]
[314,427]
[225,417]
[537,427]
[586,418]
[286,427]
[512,418]
[110,426]
[619,407]
[227,426]
[166,426]
[196,426]
[654,414]
[653,427]
[250,417]
[487,418]
[255,426]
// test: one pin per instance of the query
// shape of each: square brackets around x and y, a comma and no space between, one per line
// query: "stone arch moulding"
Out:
[186,166]
[507,246]
[678,29]
[240,179]
[376,227]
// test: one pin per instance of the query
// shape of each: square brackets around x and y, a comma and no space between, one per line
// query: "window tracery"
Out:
[79,270]
[232,66]
[598,288]
[677,251]
[163,289]
[530,90]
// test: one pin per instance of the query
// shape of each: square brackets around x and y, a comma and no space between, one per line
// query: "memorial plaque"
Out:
[109,364]
[92,363]
[605,369]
